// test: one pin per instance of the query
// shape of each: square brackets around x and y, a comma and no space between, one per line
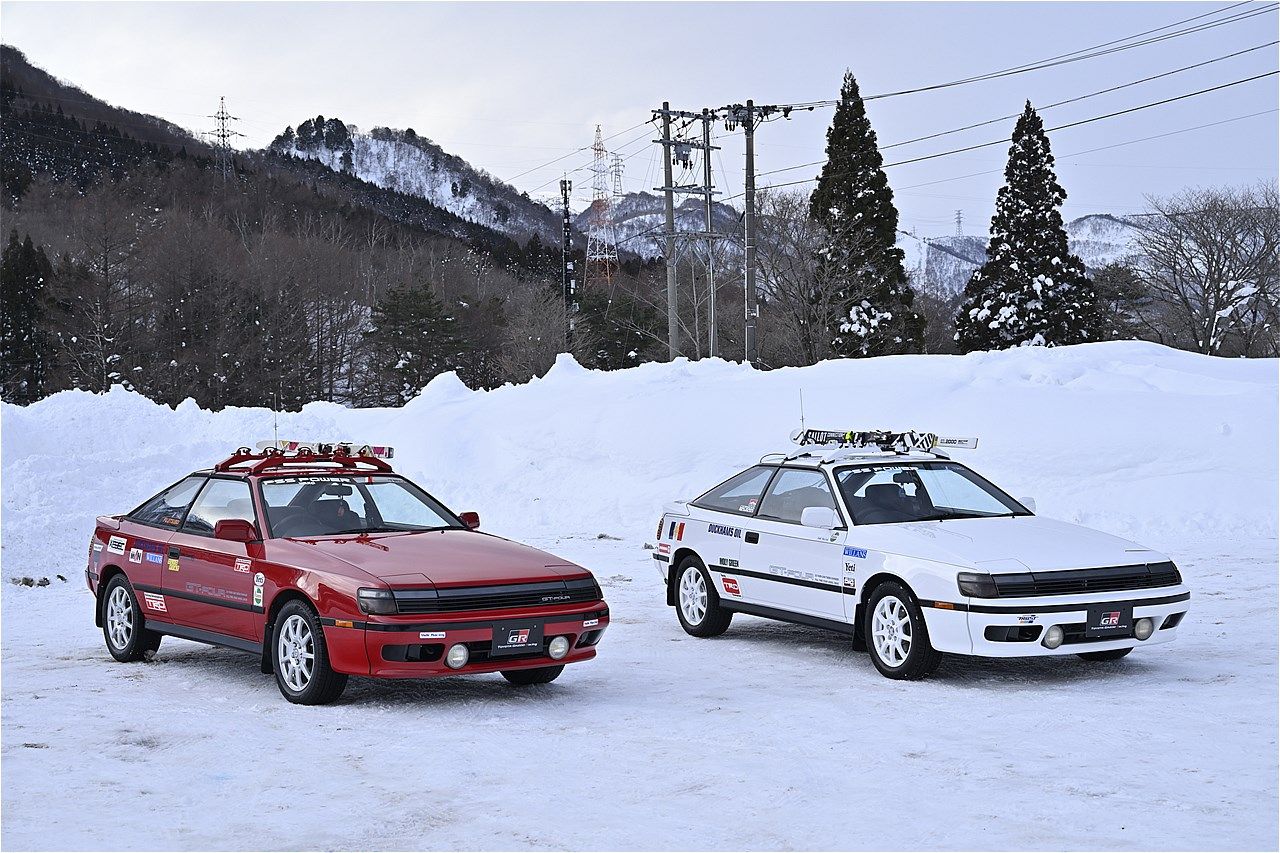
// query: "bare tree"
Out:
[1210,261]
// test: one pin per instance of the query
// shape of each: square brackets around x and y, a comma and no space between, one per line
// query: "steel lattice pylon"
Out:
[602,237]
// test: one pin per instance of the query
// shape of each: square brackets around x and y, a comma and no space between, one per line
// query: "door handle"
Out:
[752,537]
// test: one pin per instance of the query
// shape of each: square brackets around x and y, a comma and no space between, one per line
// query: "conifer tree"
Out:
[411,340]
[1031,291]
[25,349]
[861,261]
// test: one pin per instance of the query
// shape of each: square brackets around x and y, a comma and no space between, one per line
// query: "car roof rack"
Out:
[291,454]
[836,444]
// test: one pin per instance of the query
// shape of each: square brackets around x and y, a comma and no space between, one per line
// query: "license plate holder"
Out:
[1109,620]
[516,638]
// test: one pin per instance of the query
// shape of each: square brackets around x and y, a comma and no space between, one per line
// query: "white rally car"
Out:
[881,536]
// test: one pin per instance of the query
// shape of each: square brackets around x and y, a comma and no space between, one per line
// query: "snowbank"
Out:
[1133,438]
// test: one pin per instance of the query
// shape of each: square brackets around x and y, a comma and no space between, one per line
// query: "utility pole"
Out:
[673,326]
[749,242]
[223,133]
[711,262]
[568,281]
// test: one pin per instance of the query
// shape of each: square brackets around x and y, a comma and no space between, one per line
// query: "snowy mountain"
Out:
[640,218]
[403,161]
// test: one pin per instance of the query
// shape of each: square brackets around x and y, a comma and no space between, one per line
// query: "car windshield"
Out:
[332,505]
[921,491]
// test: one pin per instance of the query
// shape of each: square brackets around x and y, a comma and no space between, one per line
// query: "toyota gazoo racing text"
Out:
[325,563]
[883,537]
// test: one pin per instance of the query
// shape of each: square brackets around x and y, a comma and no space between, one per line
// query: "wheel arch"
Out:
[678,557]
[281,598]
[108,572]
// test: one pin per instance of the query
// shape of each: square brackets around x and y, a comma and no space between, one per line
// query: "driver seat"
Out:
[334,514]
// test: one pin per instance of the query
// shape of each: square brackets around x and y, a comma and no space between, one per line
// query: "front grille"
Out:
[1076,581]
[500,597]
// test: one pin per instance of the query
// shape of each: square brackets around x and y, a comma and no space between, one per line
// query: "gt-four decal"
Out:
[725,530]
[154,602]
[116,545]
[218,592]
[731,586]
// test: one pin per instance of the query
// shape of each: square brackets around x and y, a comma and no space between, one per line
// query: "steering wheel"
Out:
[302,524]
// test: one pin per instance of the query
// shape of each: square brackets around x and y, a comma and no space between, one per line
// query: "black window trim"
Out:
[171,528]
[844,521]
[182,528]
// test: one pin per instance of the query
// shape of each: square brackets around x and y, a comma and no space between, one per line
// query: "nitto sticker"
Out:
[590,623]
[724,530]
[243,565]
[259,579]
[257,596]
[855,552]
[431,635]
[116,545]
[731,586]
[154,602]
[135,555]
[729,562]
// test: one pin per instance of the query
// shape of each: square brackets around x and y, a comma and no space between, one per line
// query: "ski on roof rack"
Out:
[886,440]
[284,454]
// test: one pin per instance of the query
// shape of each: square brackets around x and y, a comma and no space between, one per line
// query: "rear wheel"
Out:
[897,637]
[525,677]
[1110,654]
[122,624]
[697,604]
[301,659]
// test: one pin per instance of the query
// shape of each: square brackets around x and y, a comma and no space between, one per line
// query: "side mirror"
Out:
[235,530]
[819,516]
[1029,503]
[471,520]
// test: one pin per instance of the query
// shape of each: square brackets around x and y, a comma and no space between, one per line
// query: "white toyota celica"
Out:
[881,536]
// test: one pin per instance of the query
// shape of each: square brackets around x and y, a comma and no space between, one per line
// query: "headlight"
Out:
[976,585]
[457,656]
[558,648]
[376,601]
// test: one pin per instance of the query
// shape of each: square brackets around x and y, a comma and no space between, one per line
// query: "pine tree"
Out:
[1031,291]
[854,205]
[25,350]
[411,340]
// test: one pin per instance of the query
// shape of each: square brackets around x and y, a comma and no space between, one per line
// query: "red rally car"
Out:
[325,563]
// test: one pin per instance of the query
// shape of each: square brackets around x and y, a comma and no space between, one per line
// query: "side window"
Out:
[168,507]
[738,494]
[793,491]
[219,500]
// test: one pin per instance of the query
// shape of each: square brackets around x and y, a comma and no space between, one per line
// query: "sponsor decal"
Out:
[259,579]
[850,582]
[173,563]
[97,546]
[664,548]
[243,565]
[729,562]
[731,586]
[725,530]
[855,552]
[154,602]
[218,592]
[431,635]
[154,557]
[171,521]
[116,545]
[257,596]
[676,531]
[1110,620]
[749,506]
[590,623]
[850,566]
[518,636]
[1027,620]
[135,555]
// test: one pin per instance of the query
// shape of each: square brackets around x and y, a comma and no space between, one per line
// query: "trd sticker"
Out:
[855,552]
[116,545]
[431,635]
[135,555]
[724,530]
[676,531]
[729,562]
[243,565]
[731,586]
[154,602]
[590,623]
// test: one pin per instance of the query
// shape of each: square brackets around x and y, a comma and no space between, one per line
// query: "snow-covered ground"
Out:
[772,736]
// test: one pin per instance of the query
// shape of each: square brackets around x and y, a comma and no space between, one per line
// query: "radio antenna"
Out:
[275,420]
[801,410]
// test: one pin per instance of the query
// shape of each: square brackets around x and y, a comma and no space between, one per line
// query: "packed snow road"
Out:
[773,736]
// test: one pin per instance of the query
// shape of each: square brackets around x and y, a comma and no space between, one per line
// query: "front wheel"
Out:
[525,677]
[123,628]
[697,605]
[1110,654]
[301,659]
[897,637]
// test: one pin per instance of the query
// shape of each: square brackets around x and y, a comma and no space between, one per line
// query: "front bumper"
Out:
[1007,628]
[401,649]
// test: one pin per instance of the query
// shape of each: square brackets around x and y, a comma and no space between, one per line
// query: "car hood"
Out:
[1019,544]
[440,558]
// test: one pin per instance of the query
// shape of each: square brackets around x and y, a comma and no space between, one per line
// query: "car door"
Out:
[215,586]
[715,530]
[799,567]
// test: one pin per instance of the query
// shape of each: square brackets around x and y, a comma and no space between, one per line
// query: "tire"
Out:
[1102,657]
[124,626]
[697,602]
[897,638]
[296,639]
[525,677]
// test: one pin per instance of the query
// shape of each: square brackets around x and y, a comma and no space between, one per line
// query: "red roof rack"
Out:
[268,458]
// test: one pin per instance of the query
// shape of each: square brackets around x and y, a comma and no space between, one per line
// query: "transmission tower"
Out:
[959,223]
[602,243]
[222,135]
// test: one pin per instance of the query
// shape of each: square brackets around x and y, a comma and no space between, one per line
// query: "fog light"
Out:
[1052,637]
[1143,628]
[558,648]
[457,657]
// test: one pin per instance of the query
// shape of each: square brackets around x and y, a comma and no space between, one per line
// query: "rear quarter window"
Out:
[168,508]
[739,494]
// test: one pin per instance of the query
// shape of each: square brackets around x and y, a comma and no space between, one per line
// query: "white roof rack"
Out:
[829,445]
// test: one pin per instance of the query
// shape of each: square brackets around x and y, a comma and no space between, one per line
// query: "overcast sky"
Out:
[512,86]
